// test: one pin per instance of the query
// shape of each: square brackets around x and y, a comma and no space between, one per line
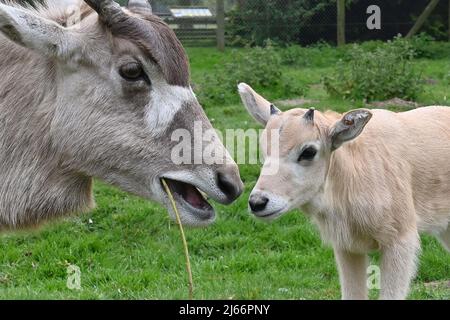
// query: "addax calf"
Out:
[370,180]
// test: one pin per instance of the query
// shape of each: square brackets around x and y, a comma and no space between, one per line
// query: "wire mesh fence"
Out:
[297,21]
[308,21]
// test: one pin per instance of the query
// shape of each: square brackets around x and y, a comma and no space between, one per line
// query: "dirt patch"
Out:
[431,81]
[294,102]
[438,285]
[397,103]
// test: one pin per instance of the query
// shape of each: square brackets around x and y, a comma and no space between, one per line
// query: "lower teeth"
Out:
[204,195]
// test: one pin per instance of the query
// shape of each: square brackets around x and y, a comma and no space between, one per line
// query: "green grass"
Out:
[128,249]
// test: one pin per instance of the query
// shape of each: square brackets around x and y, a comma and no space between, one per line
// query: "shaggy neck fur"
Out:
[345,209]
[34,186]
[342,213]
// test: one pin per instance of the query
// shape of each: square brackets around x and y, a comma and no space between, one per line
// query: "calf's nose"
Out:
[229,182]
[258,203]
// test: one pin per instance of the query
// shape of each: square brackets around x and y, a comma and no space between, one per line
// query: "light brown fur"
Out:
[377,191]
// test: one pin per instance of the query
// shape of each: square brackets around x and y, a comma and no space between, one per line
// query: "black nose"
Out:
[230,185]
[258,203]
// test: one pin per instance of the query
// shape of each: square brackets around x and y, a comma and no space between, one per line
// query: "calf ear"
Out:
[349,127]
[258,107]
[33,32]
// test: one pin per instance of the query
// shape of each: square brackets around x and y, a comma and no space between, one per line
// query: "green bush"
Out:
[319,55]
[260,67]
[426,46]
[384,73]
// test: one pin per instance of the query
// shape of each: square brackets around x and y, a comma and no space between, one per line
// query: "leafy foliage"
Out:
[320,54]
[425,46]
[255,21]
[381,74]
[260,67]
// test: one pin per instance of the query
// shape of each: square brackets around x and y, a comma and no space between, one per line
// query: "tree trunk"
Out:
[240,3]
[341,22]
[220,13]
[422,18]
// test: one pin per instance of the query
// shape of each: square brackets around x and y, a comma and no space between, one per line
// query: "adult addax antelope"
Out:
[97,97]
[370,180]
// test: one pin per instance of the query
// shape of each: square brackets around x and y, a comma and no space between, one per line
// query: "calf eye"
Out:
[133,72]
[308,154]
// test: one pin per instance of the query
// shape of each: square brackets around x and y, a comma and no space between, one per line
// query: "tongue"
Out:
[194,198]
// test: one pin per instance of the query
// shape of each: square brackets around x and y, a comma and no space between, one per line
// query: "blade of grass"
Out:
[183,237]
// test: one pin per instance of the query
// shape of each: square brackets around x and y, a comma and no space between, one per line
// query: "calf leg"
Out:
[352,273]
[398,267]
[444,237]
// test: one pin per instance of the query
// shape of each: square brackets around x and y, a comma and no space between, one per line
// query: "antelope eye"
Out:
[132,72]
[308,154]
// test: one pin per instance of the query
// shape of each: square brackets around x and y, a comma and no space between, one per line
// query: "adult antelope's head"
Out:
[122,89]
[297,147]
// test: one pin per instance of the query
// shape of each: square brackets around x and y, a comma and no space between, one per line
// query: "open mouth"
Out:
[190,199]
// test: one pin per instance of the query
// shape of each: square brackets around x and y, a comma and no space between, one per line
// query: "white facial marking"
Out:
[166,101]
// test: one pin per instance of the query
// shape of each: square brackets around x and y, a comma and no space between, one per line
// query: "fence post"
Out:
[448,20]
[341,22]
[220,13]
[422,18]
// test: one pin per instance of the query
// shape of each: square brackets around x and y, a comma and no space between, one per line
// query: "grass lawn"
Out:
[128,249]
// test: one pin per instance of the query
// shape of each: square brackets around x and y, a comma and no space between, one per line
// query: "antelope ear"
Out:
[349,127]
[258,107]
[31,31]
